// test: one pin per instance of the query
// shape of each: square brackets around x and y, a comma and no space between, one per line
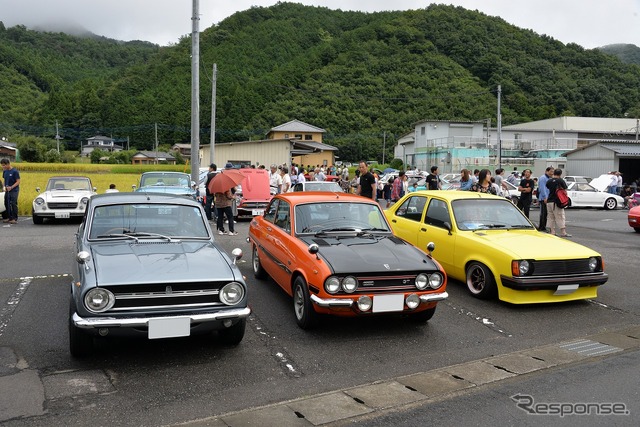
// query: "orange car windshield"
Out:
[339,216]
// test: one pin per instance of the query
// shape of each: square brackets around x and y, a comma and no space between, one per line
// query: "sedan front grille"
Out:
[560,267]
[166,296]
[384,282]
[62,205]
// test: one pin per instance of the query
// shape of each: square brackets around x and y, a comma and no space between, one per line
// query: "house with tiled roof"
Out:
[152,158]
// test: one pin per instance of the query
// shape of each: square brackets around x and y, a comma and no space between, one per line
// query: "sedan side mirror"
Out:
[133,187]
[37,189]
[237,254]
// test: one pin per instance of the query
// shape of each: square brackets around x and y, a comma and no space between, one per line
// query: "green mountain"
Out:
[357,75]
[628,53]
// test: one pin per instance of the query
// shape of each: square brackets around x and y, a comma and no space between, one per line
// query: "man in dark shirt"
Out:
[526,192]
[367,185]
[433,180]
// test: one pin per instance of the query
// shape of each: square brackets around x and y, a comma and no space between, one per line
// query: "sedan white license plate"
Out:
[257,212]
[169,328]
[385,303]
[62,215]
[566,289]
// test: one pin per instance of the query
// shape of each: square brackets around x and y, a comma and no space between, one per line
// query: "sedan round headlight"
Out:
[231,293]
[593,264]
[39,201]
[422,281]
[524,267]
[436,280]
[349,284]
[84,200]
[364,303]
[412,301]
[332,285]
[99,300]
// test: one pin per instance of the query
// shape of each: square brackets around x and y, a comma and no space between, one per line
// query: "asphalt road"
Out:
[133,382]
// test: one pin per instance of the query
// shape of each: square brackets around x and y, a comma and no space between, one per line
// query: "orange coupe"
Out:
[335,253]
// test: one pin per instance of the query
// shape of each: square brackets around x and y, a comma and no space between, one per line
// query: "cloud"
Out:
[590,23]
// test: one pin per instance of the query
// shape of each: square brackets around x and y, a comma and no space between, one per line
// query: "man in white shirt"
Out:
[286,180]
[301,177]
[275,179]
[320,176]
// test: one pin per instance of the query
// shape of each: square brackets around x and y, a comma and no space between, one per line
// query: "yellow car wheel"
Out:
[480,281]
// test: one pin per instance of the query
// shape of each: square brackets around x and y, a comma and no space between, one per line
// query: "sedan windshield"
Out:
[339,217]
[145,221]
[69,183]
[484,214]
[165,179]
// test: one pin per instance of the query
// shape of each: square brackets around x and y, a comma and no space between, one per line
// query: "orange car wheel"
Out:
[306,317]
[258,270]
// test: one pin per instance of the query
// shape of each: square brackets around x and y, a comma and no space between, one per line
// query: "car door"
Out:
[281,245]
[436,227]
[407,218]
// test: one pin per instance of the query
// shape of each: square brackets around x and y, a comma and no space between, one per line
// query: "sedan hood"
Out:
[125,262]
[377,254]
[531,244]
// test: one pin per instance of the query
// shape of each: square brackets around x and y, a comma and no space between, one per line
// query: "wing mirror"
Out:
[237,254]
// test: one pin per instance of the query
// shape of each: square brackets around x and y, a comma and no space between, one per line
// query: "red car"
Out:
[634,218]
[254,194]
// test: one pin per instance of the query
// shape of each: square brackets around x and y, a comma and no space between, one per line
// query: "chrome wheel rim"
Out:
[256,261]
[298,302]
[476,280]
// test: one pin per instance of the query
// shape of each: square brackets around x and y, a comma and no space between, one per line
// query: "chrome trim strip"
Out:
[173,294]
[136,322]
[434,297]
[332,302]
[172,306]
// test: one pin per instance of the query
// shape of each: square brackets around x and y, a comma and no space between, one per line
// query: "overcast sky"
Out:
[589,23]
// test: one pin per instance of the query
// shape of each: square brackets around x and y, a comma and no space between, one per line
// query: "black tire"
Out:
[610,204]
[423,316]
[37,220]
[258,270]
[306,317]
[80,343]
[637,229]
[480,281]
[234,334]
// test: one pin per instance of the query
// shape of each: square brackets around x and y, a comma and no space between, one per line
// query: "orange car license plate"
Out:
[384,303]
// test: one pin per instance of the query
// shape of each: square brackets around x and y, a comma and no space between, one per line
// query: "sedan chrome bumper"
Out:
[136,322]
[344,302]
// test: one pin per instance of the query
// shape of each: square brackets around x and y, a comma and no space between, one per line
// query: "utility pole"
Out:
[499,119]
[213,114]
[195,91]
[637,129]
[384,144]
[156,143]
[58,137]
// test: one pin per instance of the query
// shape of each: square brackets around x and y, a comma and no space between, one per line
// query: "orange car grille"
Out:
[369,284]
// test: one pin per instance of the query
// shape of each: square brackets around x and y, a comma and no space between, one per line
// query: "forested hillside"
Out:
[628,53]
[357,75]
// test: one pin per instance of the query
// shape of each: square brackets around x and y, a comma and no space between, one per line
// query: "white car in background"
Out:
[65,197]
[593,194]
[318,186]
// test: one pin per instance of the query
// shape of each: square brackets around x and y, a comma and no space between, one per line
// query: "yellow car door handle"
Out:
[423,229]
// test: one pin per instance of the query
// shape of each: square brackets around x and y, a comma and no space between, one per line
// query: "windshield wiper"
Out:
[127,236]
[520,226]
[485,226]
[341,229]
[151,235]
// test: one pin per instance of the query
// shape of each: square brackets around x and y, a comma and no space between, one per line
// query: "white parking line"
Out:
[7,311]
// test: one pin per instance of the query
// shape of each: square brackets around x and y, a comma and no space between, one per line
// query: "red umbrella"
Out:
[224,181]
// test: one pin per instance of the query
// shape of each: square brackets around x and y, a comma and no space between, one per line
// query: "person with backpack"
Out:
[555,214]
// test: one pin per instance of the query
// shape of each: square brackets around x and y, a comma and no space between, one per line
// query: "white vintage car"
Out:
[64,197]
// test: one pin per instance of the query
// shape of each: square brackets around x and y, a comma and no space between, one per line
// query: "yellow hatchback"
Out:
[486,242]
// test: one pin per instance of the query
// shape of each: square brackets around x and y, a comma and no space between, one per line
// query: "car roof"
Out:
[322,197]
[456,194]
[140,197]
[69,177]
